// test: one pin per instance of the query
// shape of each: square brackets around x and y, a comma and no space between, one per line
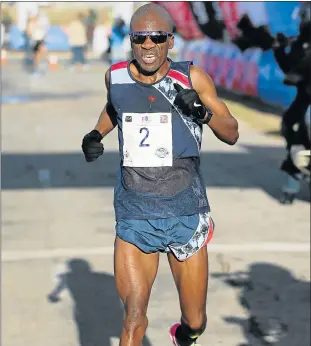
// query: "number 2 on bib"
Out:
[146,132]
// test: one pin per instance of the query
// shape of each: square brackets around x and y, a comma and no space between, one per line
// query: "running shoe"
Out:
[173,337]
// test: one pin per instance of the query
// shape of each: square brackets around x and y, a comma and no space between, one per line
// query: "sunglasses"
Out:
[157,37]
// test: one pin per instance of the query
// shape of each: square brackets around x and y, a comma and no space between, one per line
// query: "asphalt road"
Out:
[58,228]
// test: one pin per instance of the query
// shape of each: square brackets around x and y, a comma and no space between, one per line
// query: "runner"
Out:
[160,108]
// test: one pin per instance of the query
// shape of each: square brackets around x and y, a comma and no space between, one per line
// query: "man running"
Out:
[160,108]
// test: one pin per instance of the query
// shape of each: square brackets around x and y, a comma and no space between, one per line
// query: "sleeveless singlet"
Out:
[159,175]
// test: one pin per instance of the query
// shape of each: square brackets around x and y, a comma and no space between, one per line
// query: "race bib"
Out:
[147,139]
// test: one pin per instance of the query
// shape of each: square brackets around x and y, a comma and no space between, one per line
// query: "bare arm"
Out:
[107,120]
[222,123]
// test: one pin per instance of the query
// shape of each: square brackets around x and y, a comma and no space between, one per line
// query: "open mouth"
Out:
[149,58]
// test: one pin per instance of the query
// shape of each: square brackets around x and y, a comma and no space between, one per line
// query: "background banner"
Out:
[253,71]
[183,18]
[209,19]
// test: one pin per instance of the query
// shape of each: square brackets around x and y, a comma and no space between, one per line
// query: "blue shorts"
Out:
[182,235]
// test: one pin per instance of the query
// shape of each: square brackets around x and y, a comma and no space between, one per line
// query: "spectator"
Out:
[294,64]
[117,41]
[77,37]
[90,23]
[6,22]
[37,28]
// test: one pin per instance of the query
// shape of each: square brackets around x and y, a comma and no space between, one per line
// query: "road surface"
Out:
[58,228]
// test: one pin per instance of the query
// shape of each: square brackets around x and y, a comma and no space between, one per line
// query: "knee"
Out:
[135,319]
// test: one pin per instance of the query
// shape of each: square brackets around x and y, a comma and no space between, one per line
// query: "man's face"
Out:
[150,51]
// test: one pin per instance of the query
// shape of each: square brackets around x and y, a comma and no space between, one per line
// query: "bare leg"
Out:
[39,54]
[191,279]
[135,272]
[43,52]
[36,60]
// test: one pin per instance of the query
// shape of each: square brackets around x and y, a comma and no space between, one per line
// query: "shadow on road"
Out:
[44,96]
[256,167]
[98,311]
[277,303]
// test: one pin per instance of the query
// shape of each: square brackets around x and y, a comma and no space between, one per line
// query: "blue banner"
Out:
[18,39]
[283,17]
[252,72]
[270,82]
[56,39]
[227,66]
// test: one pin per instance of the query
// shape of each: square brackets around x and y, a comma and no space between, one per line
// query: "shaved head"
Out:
[147,22]
[152,13]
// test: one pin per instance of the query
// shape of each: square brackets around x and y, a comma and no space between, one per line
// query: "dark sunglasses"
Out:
[139,37]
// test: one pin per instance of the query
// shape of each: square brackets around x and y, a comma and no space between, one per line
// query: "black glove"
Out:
[189,103]
[91,146]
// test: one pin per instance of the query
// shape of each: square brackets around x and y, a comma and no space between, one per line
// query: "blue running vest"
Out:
[159,175]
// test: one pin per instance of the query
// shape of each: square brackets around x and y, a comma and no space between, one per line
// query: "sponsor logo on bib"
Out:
[146,119]
[163,119]
[162,152]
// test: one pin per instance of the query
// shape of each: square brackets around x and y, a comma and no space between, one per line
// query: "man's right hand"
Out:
[92,146]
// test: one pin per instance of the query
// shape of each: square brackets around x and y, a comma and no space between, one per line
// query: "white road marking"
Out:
[15,256]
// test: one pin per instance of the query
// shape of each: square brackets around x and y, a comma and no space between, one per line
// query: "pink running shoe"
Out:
[173,332]
[173,337]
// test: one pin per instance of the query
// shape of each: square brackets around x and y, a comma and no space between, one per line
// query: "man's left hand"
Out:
[188,101]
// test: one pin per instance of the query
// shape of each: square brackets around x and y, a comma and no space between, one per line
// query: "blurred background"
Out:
[58,221]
